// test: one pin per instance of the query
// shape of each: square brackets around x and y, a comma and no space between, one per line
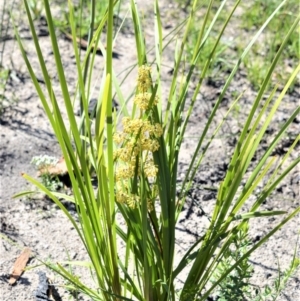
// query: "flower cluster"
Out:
[138,141]
[143,99]
[144,81]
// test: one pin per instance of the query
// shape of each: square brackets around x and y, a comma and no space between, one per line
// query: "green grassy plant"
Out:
[262,53]
[82,15]
[217,15]
[83,12]
[265,51]
[136,168]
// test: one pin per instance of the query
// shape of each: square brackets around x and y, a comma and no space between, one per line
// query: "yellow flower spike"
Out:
[125,154]
[119,137]
[121,197]
[142,100]
[124,172]
[154,146]
[125,121]
[158,131]
[146,144]
[133,126]
[139,141]
[144,81]
[132,201]
[150,170]
[116,154]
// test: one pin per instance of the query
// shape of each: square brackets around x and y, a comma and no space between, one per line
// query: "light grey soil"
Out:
[37,223]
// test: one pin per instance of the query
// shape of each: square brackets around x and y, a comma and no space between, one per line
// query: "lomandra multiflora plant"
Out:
[138,200]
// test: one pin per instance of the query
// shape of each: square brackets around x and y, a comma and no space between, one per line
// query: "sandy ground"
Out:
[38,224]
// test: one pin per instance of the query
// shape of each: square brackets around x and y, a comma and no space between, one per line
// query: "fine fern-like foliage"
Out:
[236,284]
